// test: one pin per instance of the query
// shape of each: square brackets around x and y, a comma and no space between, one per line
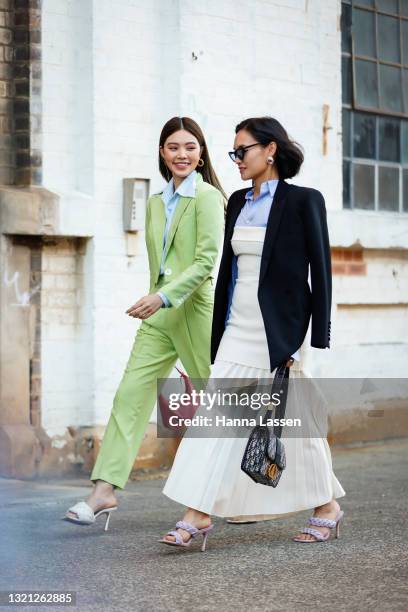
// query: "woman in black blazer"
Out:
[296,237]
[274,233]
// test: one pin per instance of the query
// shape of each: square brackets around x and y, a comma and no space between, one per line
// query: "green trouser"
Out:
[160,340]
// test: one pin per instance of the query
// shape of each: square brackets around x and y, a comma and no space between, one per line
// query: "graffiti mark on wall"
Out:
[23,297]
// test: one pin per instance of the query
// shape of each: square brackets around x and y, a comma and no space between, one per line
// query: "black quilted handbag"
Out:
[264,458]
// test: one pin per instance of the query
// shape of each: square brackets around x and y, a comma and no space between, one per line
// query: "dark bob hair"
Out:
[185,123]
[289,156]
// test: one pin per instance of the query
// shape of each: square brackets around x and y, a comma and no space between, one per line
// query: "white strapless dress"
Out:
[244,339]
[206,473]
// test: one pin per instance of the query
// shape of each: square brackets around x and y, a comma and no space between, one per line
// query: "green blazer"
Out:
[193,242]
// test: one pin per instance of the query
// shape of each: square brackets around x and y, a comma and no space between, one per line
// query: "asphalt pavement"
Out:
[245,567]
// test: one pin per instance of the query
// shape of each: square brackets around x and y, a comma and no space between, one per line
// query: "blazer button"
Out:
[167,271]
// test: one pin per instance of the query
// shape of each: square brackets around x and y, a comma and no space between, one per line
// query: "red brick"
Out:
[338,268]
[357,255]
[337,254]
[356,268]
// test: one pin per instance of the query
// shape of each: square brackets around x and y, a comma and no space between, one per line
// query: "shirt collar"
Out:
[265,187]
[186,189]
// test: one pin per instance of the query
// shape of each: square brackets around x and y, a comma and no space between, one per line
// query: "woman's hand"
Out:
[290,363]
[145,307]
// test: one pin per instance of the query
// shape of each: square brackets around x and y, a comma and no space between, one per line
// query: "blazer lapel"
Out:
[160,223]
[272,226]
[233,219]
[158,226]
[180,208]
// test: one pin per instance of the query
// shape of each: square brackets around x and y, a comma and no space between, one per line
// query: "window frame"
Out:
[352,108]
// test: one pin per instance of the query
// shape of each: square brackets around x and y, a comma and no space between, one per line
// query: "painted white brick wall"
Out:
[113,72]
[66,337]
[266,58]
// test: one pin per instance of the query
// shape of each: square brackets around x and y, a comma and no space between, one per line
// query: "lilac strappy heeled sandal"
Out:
[193,531]
[321,522]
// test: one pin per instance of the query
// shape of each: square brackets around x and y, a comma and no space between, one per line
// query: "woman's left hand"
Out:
[290,363]
[145,307]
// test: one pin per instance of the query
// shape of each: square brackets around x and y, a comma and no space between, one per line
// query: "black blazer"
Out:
[296,237]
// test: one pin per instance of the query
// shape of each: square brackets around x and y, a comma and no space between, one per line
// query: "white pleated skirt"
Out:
[206,473]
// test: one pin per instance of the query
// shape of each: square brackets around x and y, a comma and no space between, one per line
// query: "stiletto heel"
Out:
[107,521]
[205,536]
[338,527]
[193,531]
[86,516]
[322,522]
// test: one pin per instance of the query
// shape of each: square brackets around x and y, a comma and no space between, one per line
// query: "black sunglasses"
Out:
[240,152]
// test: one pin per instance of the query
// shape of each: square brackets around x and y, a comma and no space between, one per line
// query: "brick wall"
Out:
[217,62]
[68,44]
[348,261]
[66,340]
[20,92]
[370,316]
[7,155]
[35,356]
[27,84]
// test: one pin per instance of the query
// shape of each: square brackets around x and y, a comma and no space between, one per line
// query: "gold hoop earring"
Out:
[200,163]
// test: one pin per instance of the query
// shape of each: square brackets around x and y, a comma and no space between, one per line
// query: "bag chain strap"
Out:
[280,385]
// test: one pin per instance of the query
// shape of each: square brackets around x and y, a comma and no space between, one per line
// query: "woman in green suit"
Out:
[184,229]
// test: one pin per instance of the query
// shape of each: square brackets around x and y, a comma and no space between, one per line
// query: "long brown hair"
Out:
[186,123]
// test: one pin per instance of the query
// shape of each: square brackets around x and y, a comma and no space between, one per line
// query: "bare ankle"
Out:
[332,504]
[191,512]
[102,489]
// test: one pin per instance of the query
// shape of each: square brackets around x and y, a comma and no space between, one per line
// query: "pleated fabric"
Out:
[206,473]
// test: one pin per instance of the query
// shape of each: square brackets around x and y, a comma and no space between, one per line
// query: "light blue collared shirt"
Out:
[171,198]
[254,213]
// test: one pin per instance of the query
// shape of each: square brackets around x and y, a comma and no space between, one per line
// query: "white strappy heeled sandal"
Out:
[85,514]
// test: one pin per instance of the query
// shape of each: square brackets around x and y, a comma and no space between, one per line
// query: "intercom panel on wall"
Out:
[135,195]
